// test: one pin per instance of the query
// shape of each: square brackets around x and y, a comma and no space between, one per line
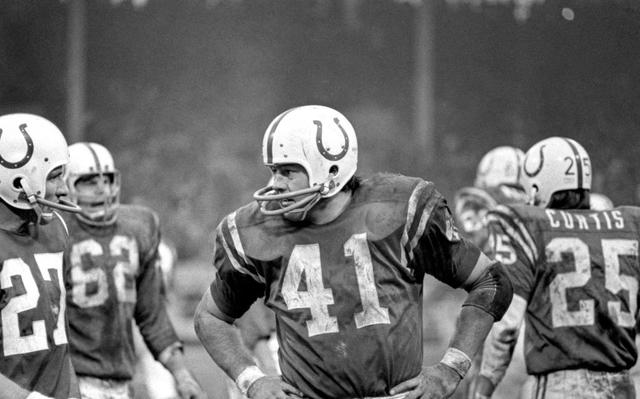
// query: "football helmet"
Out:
[90,159]
[323,142]
[30,148]
[500,166]
[600,202]
[552,165]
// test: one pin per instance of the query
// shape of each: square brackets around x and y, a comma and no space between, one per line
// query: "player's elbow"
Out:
[492,291]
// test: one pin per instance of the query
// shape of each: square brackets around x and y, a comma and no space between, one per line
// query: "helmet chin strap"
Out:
[35,202]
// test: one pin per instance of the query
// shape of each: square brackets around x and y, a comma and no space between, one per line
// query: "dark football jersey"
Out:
[472,205]
[578,270]
[35,350]
[114,281]
[348,294]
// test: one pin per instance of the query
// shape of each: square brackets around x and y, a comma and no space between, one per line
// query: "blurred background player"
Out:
[497,181]
[157,381]
[600,202]
[34,359]
[341,260]
[575,283]
[112,257]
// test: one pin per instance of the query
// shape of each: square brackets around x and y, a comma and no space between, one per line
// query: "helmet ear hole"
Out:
[17,183]
[334,170]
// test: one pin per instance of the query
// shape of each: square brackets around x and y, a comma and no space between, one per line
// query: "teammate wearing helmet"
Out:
[497,182]
[341,262]
[34,356]
[114,280]
[575,283]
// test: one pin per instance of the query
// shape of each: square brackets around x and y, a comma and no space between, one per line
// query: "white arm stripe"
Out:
[235,236]
[411,213]
[236,263]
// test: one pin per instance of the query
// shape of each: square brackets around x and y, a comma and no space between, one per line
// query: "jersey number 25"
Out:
[614,281]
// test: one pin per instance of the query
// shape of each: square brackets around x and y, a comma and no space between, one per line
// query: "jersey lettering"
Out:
[306,258]
[90,284]
[13,341]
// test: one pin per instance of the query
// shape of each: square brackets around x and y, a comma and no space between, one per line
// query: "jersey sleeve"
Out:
[237,283]
[513,246]
[435,246]
[150,311]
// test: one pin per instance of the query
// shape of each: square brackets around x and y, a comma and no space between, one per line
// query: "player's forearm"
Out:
[498,348]
[222,341]
[11,390]
[472,327]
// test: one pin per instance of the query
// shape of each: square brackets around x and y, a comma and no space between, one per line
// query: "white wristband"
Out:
[37,395]
[247,377]
[457,360]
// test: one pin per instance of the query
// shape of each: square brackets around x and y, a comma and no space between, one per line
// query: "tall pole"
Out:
[424,91]
[76,70]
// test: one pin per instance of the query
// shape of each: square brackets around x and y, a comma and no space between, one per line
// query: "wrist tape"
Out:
[247,377]
[457,360]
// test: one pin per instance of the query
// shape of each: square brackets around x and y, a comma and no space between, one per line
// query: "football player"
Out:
[157,380]
[341,262]
[575,283]
[114,280]
[600,202]
[497,182]
[35,362]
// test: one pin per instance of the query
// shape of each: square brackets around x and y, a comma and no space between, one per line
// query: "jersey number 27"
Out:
[13,340]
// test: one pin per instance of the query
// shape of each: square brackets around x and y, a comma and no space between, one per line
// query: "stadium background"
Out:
[181,92]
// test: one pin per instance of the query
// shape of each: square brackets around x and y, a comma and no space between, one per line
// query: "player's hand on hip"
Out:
[188,387]
[272,387]
[433,382]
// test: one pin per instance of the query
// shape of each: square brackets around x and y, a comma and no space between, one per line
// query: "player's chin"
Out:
[294,216]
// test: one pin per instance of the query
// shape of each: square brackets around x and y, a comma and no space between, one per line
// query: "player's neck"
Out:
[329,209]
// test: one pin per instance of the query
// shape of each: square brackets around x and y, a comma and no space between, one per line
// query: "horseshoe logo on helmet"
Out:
[27,156]
[324,151]
[539,168]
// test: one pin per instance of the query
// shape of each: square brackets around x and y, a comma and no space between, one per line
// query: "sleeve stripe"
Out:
[235,261]
[410,239]
[516,230]
[235,236]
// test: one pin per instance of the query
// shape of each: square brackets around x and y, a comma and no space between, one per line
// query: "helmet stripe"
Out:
[578,160]
[274,126]
[95,158]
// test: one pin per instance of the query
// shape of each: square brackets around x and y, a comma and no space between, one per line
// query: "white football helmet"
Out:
[600,202]
[90,159]
[322,141]
[30,148]
[500,166]
[552,165]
